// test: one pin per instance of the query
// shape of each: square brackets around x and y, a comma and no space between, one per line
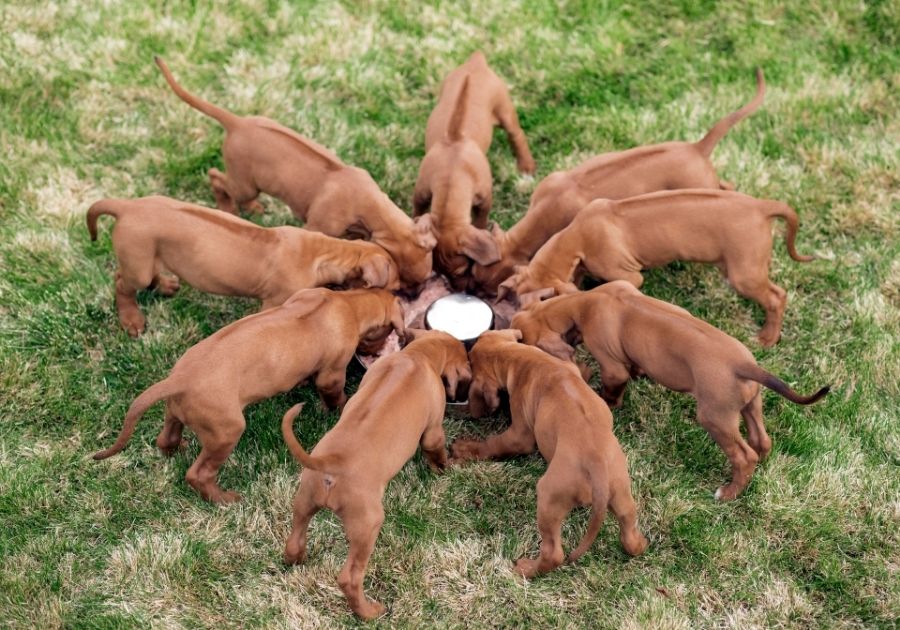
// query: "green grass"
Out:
[84,114]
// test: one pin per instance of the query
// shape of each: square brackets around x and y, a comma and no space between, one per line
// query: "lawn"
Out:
[84,114]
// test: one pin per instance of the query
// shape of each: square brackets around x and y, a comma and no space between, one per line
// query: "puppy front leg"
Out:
[330,384]
[509,120]
[516,440]
[434,449]
[615,377]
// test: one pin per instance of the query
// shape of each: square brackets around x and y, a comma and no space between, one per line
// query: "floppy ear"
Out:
[305,301]
[456,379]
[397,321]
[424,232]
[566,288]
[511,334]
[533,297]
[376,272]
[507,287]
[484,397]
[358,230]
[553,344]
[479,245]
[496,231]
[410,334]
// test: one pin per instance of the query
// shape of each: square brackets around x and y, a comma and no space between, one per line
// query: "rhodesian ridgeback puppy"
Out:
[629,333]
[615,240]
[330,196]
[399,406]
[618,175]
[313,334]
[553,408]
[455,177]
[222,254]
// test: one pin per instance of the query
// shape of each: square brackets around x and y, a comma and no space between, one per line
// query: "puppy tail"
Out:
[141,404]
[780,209]
[454,129]
[322,464]
[711,139]
[756,373]
[599,503]
[104,206]
[225,117]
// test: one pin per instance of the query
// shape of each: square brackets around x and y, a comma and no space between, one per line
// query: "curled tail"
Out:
[104,206]
[709,141]
[454,129]
[141,404]
[787,213]
[599,502]
[756,373]
[225,117]
[322,464]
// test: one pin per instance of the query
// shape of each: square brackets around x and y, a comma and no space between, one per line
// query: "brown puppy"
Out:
[614,240]
[455,177]
[331,197]
[553,408]
[225,255]
[314,333]
[560,195]
[629,333]
[398,407]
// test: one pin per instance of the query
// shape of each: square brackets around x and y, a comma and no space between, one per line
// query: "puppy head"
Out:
[414,253]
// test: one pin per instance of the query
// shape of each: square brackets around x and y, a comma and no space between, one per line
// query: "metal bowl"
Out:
[461,315]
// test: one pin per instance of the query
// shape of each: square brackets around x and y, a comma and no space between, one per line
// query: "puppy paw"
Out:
[254,207]
[525,567]
[725,493]
[167,285]
[133,323]
[370,610]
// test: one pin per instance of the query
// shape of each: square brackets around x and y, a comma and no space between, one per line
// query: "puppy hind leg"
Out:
[130,315]
[305,508]
[361,526]
[554,502]
[724,428]
[771,297]
[756,431]
[217,445]
[219,183]
[169,439]
[621,502]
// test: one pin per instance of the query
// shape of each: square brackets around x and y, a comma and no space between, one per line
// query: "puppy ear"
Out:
[479,245]
[411,334]
[424,232]
[397,321]
[305,301]
[532,297]
[553,344]
[457,377]
[376,272]
[484,397]
[508,287]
